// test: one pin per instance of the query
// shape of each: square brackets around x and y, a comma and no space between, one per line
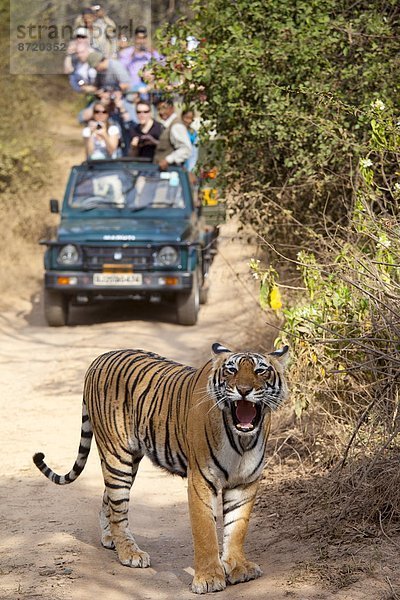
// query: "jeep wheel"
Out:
[55,308]
[187,304]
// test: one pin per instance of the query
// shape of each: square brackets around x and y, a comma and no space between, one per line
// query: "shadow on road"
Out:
[106,312]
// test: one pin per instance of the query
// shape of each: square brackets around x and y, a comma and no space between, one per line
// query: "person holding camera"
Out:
[136,57]
[101,137]
[81,76]
[146,133]
[115,101]
[100,28]
[110,73]
[107,31]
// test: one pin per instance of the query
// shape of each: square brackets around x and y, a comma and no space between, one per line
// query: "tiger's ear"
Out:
[282,355]
[218,348]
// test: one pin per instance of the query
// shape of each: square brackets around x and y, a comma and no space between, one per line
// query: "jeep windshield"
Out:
[128,189]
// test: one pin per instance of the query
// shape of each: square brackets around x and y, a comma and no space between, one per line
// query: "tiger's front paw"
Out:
[238,572]
[131,556]
[212,581]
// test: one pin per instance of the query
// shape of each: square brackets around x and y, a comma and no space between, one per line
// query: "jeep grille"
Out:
[138,257]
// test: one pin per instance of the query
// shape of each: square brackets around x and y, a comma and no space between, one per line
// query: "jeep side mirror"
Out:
[54,206]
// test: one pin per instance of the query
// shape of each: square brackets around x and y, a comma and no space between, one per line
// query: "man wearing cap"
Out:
[110,73]
[174,146]
[75,64]
[136,57]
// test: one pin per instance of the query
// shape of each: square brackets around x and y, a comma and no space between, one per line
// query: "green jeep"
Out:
[128,231]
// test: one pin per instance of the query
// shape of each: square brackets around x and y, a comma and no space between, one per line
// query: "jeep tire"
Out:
[55,308]
[187,304]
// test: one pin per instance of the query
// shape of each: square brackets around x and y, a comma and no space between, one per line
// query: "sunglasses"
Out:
[100,112]
[139,112]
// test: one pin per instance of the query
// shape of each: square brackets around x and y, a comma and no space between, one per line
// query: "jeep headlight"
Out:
[167,256]
[68,255]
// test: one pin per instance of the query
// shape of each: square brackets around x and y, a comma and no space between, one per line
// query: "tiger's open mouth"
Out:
[246,415]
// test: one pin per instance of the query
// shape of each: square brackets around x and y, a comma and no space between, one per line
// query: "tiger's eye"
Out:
[231,370]
[262,370]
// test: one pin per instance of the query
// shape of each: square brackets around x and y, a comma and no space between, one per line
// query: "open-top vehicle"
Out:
[128,231]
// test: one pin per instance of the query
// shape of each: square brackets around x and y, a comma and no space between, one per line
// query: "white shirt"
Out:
[100,148]
[180,140]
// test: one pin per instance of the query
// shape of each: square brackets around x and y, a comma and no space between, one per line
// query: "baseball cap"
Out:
[81,32]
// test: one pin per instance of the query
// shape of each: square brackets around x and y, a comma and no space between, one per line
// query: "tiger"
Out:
[209,424]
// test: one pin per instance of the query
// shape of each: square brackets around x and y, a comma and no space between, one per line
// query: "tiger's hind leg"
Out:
[115,532]
[106,537]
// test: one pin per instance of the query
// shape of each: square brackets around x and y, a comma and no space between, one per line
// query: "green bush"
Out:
[345,330]
[285,84]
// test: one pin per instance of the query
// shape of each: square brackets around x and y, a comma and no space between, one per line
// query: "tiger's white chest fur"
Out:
[233,468]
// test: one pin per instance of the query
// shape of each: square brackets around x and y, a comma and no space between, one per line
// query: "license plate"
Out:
[117,279]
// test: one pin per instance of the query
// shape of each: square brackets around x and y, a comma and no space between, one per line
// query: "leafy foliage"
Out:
[285,84]
[345,330]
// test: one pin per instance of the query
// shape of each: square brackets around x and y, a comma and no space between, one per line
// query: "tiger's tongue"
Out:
[245,412]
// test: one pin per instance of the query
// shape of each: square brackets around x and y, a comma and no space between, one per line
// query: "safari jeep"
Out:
[128,231]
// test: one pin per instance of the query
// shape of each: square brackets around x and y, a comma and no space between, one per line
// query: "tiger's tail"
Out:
[80,462]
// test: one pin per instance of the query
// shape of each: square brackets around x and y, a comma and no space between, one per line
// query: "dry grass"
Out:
[24,220]
[28,169]
[361,497]
[347,513]
[349,519]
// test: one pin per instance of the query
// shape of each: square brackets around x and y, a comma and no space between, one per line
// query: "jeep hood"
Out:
[125,230]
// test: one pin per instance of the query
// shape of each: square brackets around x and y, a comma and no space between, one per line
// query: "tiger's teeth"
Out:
[235,403]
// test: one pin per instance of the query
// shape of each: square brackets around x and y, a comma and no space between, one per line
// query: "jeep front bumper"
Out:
[73,283]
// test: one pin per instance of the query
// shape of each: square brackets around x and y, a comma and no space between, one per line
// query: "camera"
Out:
[99,126]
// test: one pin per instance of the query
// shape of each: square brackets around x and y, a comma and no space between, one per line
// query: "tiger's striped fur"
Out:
[209,424]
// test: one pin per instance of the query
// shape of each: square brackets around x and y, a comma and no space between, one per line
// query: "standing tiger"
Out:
[209,424]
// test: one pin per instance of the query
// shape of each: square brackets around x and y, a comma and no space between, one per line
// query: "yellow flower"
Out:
[275,299]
